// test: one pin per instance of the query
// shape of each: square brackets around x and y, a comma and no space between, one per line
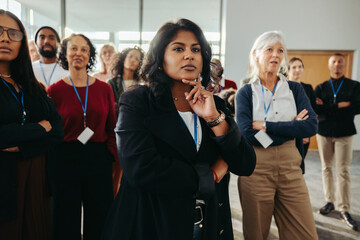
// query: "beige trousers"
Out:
[277,187]
[341,149]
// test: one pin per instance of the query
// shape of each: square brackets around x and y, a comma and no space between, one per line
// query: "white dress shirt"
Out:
[282,107]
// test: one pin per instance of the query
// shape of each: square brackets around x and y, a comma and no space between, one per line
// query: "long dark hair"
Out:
[62,55]
[152,72]
[21,68]
[119,59]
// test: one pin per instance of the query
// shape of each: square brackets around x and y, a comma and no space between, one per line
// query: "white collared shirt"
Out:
[283,106]
[188,118]
[59,72]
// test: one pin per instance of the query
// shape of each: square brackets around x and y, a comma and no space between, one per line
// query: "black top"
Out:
[334,121]
[31,138]
[117,86]
[310,93]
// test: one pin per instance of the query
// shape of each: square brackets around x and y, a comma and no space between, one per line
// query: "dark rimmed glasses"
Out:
[13,34]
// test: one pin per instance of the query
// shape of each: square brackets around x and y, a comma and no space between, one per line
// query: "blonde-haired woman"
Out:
[106,52]
[274,115]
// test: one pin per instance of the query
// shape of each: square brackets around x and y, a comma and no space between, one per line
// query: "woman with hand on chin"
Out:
[82,172]
[176,141]
[29,128]
[275,115]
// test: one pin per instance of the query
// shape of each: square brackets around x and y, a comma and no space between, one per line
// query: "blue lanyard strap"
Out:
[42,70]
[195,128]
[21,101]
[266,109]
[337,90]
[86,96]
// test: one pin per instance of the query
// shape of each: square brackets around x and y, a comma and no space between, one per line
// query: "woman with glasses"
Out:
[125,69]
[106,53]
[29,127]
[82,170]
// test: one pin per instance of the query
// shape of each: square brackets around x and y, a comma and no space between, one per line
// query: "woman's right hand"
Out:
[45,124]
[302,115]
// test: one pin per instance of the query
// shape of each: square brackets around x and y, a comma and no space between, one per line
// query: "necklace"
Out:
[3,75]
[178,99]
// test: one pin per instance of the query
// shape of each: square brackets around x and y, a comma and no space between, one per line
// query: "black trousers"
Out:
[81,175]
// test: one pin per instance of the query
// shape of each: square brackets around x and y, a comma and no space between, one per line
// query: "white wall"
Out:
[306,25]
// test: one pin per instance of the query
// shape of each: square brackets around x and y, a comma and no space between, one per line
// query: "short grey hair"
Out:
[264,40]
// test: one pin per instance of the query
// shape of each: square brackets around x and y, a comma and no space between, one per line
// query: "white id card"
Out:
[263,138]
[85,135]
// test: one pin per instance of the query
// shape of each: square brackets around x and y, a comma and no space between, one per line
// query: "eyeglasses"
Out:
[13,34]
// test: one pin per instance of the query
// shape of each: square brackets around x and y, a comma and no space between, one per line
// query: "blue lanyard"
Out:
[42,70]
[21,101]
[195,128]
[266,109]
[86,97]
[337,90]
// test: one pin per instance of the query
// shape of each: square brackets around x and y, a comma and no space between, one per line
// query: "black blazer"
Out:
[31,138]
[164,174]
[117,86]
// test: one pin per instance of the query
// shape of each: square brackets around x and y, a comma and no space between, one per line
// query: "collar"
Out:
[338,79]
[256,79]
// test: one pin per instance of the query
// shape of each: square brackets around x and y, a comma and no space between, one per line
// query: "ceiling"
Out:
[123,15]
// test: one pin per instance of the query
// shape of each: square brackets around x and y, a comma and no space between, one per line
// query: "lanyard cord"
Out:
[21,101]
[266,109]
[42,70]
[86,97]
[337,90]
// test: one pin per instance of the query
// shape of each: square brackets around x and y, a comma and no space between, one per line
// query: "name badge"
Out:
[85,135]
[263,138]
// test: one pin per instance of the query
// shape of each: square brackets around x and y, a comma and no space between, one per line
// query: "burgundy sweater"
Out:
[100,114]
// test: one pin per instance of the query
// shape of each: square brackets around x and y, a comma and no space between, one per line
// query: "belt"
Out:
[198,216]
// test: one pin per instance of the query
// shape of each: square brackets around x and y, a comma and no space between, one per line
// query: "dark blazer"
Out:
[164,174]
[117,86]
[31,138]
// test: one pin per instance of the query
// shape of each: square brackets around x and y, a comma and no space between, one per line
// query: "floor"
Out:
[328,227]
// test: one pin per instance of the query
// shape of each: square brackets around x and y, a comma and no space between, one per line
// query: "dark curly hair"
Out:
[62,55]
[152,70]
[21,68]
[117,63]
